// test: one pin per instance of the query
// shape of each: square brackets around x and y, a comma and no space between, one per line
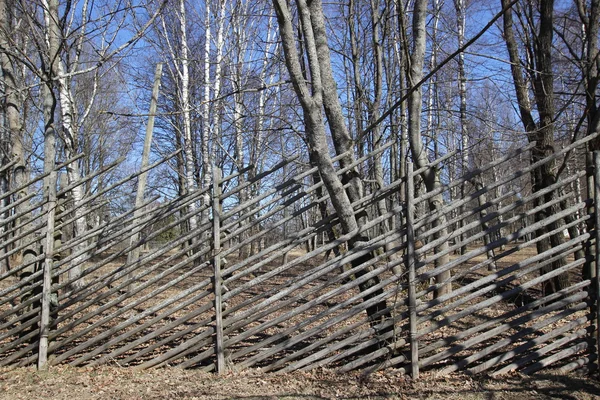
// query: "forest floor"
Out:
[175,383]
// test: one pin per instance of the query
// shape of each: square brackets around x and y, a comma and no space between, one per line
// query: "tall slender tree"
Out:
[538,69]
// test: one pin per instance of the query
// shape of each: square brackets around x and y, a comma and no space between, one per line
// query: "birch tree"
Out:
[184,74]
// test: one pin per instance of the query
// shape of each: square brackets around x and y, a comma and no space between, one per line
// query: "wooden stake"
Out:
[218,278]
[412,275]
[47,274]
[596,272]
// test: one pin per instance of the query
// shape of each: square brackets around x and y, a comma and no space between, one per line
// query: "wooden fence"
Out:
[265,279]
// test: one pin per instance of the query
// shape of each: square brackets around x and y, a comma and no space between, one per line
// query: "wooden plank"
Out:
[411,262]
[483,249]
[130,321]
[259,177]
[296,181]
[558,154]
[304,235]
[553,252]
[355,309]
[522,348]
[577,364]
[266,307]
[217,276]
[493,215]
[459,275]
[121,272]
[50,191]
[150,339]
[134,224]
[544,362]
[448,319]
[393,362]
[258,310]
[360,347]
[493,322]
[189,347]
[596,273]
[383,352]
[429,218]
[41,176]
[102,282]
[313,359]
[153,341]
[7,166]
[494,282]
[128,178]
[25,199]
[267,255]
[238,172]
[502,326]
[69,326]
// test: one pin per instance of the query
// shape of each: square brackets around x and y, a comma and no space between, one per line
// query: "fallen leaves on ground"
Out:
[68,383]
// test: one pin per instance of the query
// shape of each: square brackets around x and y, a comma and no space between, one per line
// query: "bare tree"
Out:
[321,96]
[11,135]
[538,68]
[418,150]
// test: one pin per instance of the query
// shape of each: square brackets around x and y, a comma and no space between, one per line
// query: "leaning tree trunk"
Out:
[322,95]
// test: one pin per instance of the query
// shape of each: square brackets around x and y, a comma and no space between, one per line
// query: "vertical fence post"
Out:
[589,268]
[595,270]
[50,189]
[218,278]
[412,275]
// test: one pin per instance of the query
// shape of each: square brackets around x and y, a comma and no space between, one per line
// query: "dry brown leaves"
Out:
[172,383]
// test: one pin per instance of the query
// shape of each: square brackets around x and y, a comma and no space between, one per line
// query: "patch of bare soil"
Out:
[173,383]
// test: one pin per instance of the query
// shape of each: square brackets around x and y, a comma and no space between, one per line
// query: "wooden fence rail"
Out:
[265,278]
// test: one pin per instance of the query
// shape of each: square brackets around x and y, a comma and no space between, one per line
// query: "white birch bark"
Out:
[205,113]
[70,135]
[188,145]
[459,5]
[219,45]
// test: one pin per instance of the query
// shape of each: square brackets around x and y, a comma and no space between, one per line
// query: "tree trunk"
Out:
[188,144]
[419,152]
[542,132]
[459,5]
[12,136]
[323,95]
[70,139]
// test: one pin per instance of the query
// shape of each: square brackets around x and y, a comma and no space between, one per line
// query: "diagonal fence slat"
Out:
[293,297]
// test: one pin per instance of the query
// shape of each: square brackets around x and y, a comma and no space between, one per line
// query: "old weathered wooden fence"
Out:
[265,279]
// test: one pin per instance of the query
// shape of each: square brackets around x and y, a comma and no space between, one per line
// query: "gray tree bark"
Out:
[12,136]
[542,133]
[418,150]
[322,95]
